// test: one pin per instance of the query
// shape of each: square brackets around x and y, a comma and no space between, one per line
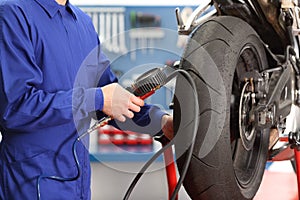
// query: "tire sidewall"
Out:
[219,157]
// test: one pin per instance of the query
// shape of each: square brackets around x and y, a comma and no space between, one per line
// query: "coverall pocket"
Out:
[22,176]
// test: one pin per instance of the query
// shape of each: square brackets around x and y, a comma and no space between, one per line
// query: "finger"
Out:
[134,107]
[129,114]
[120,118]
[136,100]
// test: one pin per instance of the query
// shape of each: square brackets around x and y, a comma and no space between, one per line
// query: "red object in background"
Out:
[117,139]
[104,138]
[110,135]
[170,171]
[145,139]
[297,159]
[131,138]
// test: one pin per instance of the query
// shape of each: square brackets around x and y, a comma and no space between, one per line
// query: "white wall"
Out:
[137,2]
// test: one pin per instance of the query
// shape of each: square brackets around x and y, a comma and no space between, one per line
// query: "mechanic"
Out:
[45,104]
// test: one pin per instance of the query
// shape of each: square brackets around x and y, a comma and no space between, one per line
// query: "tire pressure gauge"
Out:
[148,82]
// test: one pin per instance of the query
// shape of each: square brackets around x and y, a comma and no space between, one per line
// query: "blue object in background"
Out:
[136,39]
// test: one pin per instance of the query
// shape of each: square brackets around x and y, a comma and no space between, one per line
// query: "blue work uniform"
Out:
[51,69]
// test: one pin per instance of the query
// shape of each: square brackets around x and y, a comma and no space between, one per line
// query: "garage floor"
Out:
[279,183]
[111,180]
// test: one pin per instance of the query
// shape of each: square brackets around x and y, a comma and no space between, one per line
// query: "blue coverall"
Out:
[51,71]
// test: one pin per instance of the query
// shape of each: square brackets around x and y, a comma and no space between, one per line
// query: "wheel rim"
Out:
[246,122]
[246,141]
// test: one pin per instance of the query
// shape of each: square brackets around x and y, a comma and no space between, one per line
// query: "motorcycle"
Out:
[244,58]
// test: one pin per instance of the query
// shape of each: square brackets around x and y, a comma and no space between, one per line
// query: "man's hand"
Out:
[167,126]
[119,103]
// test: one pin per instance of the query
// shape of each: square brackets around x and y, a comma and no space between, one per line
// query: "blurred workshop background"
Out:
[136,36]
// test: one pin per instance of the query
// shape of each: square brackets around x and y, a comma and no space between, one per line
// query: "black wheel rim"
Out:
[245,149]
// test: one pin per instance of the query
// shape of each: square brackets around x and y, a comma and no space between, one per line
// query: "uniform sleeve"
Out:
[24,106]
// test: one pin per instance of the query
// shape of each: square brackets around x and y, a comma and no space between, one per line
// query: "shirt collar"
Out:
[51,7]
[72,9]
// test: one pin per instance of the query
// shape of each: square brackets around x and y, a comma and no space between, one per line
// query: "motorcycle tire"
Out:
[217,55]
